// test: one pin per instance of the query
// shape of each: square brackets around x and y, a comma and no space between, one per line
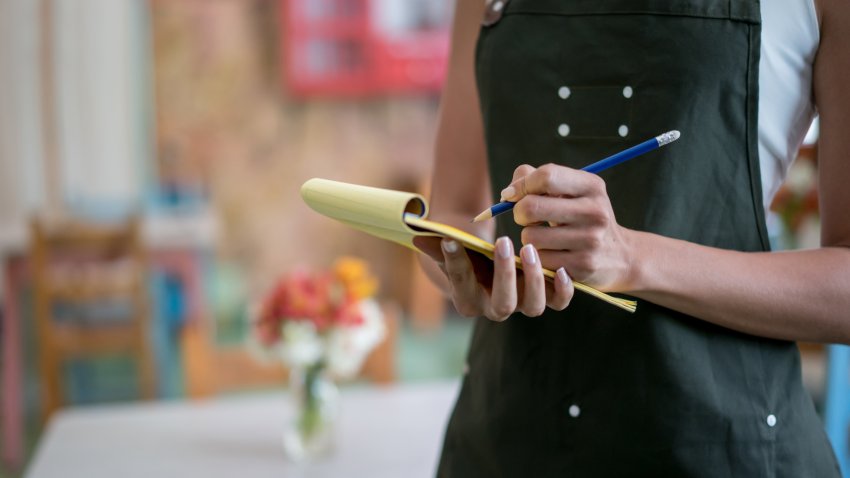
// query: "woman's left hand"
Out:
[583,235]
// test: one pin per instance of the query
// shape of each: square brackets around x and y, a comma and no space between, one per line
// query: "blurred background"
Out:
[175,135]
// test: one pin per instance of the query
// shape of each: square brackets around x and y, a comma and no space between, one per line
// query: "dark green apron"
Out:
[594,391]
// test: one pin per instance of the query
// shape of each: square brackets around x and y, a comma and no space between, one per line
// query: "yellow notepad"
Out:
[400,216]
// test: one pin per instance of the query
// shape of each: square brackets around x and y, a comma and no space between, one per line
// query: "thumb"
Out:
[430,246]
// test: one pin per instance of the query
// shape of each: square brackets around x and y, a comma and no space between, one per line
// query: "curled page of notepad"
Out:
[377,211]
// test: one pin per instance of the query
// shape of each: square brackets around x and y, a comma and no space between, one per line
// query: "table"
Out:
[387,431]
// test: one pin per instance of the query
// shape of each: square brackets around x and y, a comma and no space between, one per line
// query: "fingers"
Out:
[562,291]
[555,180]
[534,287]
[539,209]
[583,265]
[430,246]
[569,238]
[471,300]
[517,187]
[522,171]
[466,293]
[503,298]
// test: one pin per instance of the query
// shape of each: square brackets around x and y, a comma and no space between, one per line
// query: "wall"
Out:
[223,121]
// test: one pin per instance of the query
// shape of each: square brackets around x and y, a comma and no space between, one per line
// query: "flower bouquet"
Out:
[323,326]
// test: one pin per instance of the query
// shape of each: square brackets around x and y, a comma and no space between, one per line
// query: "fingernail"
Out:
[508,193]
[529,254]
[562,275]
[503,247]
[450,246]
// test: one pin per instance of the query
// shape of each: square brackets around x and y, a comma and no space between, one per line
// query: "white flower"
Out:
[301,345]
[348,346]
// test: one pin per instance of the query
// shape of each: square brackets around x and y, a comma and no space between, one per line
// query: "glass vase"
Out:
[315,396]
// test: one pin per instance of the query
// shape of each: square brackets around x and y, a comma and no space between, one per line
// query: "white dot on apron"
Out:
[564,92]
[623,130]
[771,420]
[564,129]
[465,368]
[575,411]
[627,92]
[497,7]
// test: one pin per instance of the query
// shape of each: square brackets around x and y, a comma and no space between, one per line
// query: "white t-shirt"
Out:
[789,41]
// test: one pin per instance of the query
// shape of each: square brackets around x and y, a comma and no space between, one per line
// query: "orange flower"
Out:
[354,274]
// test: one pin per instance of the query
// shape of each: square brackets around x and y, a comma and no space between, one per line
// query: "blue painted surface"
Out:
[170,315]
[837,409]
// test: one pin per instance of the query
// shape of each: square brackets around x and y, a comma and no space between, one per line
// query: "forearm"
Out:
[799,295]
[460,186]
[794,295]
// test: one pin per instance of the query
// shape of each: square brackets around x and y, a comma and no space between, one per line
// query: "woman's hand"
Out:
[480,287]
[582,236]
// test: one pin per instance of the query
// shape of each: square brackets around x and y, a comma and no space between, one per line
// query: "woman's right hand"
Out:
[480,287]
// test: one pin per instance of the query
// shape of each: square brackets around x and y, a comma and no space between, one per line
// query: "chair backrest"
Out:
[77,263]
[84,275]
[72,240]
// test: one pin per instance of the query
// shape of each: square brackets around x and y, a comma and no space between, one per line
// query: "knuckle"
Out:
[597,216]
[522,170]
[457,277]
[597,184]
[527,235]
[566,302]
[549,167]
[591,264]
[525,211]
[583,267]
[547,176]
[465,309]
[533,207]
[594,239]
[533,310]
[559,304]
[563,298]
[501,312]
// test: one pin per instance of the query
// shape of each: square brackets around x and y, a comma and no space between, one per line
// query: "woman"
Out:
[704,380]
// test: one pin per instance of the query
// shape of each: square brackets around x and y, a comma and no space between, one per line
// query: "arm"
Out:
[459,149]
[795,295]
[460,189]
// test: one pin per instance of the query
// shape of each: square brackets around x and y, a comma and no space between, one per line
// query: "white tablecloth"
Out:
[382,432]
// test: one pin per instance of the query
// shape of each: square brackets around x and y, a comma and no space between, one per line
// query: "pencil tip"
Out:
[484,215]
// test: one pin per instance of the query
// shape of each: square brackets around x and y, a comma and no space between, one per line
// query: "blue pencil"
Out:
[595,168]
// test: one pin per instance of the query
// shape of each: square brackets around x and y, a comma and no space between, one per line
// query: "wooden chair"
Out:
[79,268]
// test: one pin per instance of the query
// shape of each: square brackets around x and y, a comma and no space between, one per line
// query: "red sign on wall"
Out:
[356,48]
